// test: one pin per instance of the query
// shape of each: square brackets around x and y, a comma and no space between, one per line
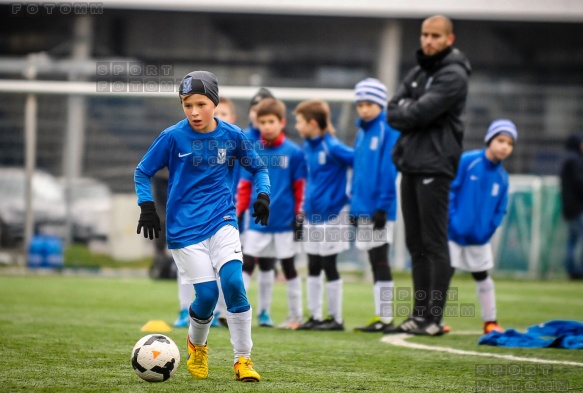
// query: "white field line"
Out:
[400,340]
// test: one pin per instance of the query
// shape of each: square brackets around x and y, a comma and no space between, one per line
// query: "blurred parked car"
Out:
[48,202]
[90,208]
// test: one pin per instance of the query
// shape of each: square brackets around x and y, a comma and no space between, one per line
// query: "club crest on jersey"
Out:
[221,156]
[495,189]
[374,143]
[322,158]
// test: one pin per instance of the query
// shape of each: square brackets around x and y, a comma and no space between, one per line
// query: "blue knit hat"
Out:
[372,90]
[499,126]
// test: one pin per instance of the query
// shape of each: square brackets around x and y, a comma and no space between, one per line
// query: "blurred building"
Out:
[525,57]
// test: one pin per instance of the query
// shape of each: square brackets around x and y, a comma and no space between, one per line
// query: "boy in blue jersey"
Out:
[478,199]
[201,222]
[252,133]
[224,111]
[373,207]
[325,212]
[287,173]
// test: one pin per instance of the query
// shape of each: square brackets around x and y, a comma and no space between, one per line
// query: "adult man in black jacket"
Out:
[427,110]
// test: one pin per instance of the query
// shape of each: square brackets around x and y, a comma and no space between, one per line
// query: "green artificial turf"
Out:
[62,333]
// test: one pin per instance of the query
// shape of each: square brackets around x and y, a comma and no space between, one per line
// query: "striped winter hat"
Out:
[501,125]
[372,90]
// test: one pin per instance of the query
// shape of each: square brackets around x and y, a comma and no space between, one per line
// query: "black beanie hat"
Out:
[260,95]
[200,82]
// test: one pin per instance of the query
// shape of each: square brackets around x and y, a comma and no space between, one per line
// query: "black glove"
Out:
[299,227]
[149,220]
[379,219]
[353,220]
[261,209]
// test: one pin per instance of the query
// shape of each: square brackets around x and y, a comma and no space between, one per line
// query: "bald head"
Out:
[442,20]
[436,34]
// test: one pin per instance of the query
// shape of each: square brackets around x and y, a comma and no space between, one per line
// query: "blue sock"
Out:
[233,289]
[205,301]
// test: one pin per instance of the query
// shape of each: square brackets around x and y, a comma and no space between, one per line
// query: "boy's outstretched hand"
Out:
[261,209]
[149,220]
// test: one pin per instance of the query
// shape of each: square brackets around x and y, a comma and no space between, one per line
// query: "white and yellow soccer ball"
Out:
[155,358]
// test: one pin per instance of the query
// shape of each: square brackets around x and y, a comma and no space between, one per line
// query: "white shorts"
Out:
[201,262]
[367,238]
[327,238]
[471,258]
[279,245]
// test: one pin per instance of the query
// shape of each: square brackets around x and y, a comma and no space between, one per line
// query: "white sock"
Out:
[221,305]
[246,281]
[198,330]
[334,293]
[294,299]
[315,291]
[487,299]
[240,329]
[383,291]
[185,293]
[266,280]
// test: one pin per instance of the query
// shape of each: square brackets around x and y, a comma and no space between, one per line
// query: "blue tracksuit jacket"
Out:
[373,182]
[478,199]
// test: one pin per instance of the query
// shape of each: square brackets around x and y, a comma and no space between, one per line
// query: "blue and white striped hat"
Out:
[372,90]
[501,125]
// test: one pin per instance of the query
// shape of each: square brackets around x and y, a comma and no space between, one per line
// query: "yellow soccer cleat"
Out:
[245,372]
[197,360]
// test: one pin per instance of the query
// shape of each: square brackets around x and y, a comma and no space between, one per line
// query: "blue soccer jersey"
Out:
[287,174]
[478,199]
[200,166]
[374,174]
[253,135]
[327,160]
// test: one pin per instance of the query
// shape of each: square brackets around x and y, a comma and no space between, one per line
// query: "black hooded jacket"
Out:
[572,178]
[427,110]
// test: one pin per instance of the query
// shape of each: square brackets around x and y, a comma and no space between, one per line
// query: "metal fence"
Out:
[118,128]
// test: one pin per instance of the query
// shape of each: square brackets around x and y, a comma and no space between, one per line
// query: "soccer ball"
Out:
[155,358]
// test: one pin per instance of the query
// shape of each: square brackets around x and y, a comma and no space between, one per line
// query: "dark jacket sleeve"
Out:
[445,88]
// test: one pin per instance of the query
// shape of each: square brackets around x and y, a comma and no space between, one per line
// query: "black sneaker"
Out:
[407,326]
[310,324]
[429,329]
[329,324]
[375,325]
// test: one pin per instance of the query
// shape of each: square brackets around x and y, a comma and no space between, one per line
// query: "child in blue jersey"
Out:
[325,212]
[252,133]
[478,199]
[287,173]
[224,111]
[201,221]
[373,207]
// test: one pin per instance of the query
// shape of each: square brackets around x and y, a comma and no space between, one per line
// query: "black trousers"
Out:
[425,207]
